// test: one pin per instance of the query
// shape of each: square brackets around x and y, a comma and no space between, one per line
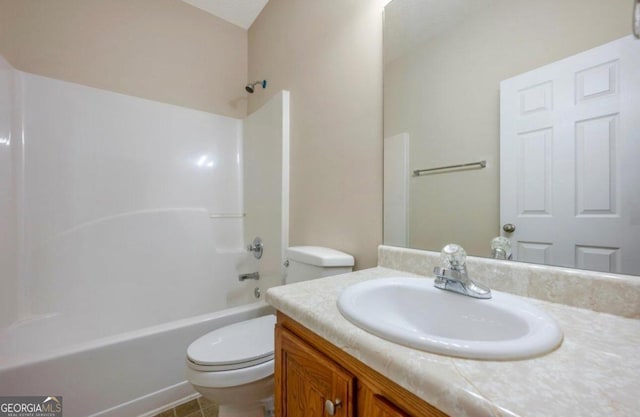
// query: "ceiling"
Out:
[239,12]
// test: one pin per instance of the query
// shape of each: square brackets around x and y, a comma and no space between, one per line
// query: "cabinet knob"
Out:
[509,228]
[331,406]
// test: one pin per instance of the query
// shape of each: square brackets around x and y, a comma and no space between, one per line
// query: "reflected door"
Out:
[570,160]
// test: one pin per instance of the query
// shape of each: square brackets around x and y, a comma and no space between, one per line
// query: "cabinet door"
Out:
[374,401]
[374,405]
[306,380]
[380,407]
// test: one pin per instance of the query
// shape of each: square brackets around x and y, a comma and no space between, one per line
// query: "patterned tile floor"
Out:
[200,407]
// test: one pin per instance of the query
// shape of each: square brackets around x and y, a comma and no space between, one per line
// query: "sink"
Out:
[412,312]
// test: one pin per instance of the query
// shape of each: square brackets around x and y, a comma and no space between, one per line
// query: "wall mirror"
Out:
[532,110]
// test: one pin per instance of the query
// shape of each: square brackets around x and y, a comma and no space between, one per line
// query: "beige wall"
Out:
[330,57]
[446,96]
[164,50]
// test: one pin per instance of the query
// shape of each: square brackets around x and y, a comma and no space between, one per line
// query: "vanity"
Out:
[325,365]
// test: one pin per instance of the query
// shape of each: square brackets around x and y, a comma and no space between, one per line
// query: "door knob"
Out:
[509,228]
[331,406]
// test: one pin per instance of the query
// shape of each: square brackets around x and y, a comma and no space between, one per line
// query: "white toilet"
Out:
[233,366]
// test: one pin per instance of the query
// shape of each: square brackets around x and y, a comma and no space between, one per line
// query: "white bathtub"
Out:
[129,374]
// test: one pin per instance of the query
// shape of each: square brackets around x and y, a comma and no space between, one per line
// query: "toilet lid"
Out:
[240,344]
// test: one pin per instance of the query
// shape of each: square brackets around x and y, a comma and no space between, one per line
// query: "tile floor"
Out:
[200,407]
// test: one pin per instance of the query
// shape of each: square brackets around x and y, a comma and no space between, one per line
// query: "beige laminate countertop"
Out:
[595,372]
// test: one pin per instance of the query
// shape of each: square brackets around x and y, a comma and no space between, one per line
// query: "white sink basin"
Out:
[411,312]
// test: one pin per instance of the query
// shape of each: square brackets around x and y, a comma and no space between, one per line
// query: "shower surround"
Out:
[110,259]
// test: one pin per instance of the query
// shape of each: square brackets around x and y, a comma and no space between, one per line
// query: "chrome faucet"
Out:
[453,277]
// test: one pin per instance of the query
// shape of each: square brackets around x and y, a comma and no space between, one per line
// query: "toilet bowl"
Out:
[233,366]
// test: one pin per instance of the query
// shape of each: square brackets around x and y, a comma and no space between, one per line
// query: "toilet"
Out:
[233,366]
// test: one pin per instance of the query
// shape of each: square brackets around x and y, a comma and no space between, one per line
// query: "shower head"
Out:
[251,86]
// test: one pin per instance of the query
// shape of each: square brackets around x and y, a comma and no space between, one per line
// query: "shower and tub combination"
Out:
[123,224]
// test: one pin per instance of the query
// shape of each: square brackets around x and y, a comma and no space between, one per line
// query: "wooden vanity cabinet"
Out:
[309,372]
[307,379]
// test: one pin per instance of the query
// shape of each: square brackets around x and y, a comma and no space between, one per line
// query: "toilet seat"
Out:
[228,367]
[233,355]
[226,379]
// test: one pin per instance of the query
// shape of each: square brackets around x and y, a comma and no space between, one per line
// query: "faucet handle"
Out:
[453,256]
[501,248]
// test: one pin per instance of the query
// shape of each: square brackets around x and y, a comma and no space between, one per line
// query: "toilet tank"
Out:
[310,262]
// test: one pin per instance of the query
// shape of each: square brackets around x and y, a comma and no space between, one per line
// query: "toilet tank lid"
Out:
[319,256]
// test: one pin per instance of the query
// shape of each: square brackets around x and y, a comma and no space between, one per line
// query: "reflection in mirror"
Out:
[548,94]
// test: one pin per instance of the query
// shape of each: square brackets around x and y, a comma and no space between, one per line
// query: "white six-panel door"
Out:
[570,160]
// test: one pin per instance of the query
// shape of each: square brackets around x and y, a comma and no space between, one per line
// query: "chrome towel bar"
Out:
[480,164]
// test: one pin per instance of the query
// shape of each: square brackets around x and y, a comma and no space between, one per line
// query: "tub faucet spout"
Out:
[252,275]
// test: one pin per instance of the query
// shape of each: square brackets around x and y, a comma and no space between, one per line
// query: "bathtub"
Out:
[128,374]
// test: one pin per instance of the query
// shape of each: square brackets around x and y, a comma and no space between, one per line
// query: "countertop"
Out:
[595,372]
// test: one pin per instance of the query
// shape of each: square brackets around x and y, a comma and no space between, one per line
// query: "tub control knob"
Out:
[257,247]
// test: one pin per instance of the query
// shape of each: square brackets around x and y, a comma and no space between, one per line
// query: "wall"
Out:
[330,59]
[445,95]
[163,50]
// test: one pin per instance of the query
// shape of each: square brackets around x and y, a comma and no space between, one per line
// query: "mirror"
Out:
[540,99]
